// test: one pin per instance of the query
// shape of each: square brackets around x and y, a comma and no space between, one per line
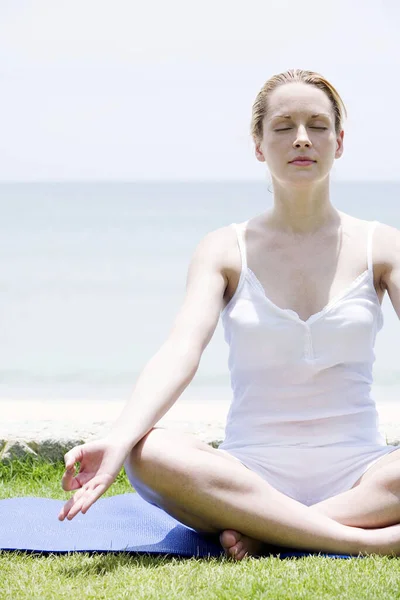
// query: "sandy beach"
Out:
[197,408]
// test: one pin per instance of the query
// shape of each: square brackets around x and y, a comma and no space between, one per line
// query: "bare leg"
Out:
[373,503]
[189,474]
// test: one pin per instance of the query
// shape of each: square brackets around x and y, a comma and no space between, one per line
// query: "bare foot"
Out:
[237,545]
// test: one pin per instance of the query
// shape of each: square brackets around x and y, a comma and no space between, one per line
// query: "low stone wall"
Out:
[50,440]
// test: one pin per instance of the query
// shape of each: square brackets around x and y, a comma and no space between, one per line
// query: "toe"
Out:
[237,548]
[229,538]
[240,555]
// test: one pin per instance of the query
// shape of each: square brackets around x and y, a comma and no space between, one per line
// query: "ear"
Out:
[258,152]
[339,147]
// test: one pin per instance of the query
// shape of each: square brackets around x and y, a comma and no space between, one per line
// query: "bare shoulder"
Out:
[385,245]
[387,238]
[219,249]
[220,246]
[387,249]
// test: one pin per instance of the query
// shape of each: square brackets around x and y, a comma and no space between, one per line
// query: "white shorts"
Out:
[310,475]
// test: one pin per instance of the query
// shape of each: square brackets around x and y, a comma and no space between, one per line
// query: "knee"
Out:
[157,456]
[389,479]
[148,450]
[157,452]
[136,466]
[164,448]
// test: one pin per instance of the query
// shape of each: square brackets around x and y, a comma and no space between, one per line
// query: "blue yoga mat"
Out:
[122,523]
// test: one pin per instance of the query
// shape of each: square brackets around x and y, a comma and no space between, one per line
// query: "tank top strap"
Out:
[241,243]
[371,230]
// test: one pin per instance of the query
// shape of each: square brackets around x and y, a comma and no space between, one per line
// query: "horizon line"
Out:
[153,181]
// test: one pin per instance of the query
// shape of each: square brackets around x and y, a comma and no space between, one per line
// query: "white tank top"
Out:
[302,383]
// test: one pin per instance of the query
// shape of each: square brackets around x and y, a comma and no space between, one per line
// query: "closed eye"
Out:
[287,128]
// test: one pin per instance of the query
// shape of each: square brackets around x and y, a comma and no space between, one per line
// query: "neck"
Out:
[302,209]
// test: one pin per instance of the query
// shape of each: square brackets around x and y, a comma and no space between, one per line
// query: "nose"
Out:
[302,139]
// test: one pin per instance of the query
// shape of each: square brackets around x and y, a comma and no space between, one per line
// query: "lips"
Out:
[302,159]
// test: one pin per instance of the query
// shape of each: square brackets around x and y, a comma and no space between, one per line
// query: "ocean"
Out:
[92,276]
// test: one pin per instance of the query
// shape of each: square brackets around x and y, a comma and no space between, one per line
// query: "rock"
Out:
[15,449]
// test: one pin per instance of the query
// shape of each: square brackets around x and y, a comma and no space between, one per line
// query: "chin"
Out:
[298,179]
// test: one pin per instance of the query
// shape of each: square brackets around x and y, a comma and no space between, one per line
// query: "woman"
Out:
[299,290]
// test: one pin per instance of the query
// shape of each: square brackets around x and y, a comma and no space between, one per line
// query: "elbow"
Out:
[186,353]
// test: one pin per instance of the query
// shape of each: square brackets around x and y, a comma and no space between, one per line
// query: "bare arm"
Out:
[390,252]
[171,369]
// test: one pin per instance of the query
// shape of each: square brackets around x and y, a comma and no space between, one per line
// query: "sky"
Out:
[156,90]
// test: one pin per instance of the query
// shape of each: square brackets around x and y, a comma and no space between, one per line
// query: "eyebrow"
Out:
[289,116]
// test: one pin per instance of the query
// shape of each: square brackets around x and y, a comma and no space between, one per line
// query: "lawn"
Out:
[81,575]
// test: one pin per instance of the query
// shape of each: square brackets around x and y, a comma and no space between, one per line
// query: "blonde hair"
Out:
[260,105]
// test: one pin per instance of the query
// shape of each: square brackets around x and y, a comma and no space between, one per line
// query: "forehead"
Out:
[298,98]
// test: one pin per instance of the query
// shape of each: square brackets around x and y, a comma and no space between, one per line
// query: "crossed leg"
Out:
[218,494]
[373,501]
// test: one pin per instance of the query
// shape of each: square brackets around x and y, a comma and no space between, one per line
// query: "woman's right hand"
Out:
[100,463]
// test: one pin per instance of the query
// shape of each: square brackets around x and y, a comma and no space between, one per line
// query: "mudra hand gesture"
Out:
[100,463]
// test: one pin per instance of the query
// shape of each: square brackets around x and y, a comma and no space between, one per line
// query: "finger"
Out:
[65,509]
[92,497]
[73,456]
[83,502]
[68,510]
[69,482]
[71,502]
[75,509]
[63,512]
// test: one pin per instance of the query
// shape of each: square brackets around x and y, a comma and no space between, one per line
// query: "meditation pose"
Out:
[299,290]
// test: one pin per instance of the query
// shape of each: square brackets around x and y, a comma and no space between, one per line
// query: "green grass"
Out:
[81,575]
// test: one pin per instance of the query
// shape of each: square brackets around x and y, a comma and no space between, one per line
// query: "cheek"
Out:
[276,147]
